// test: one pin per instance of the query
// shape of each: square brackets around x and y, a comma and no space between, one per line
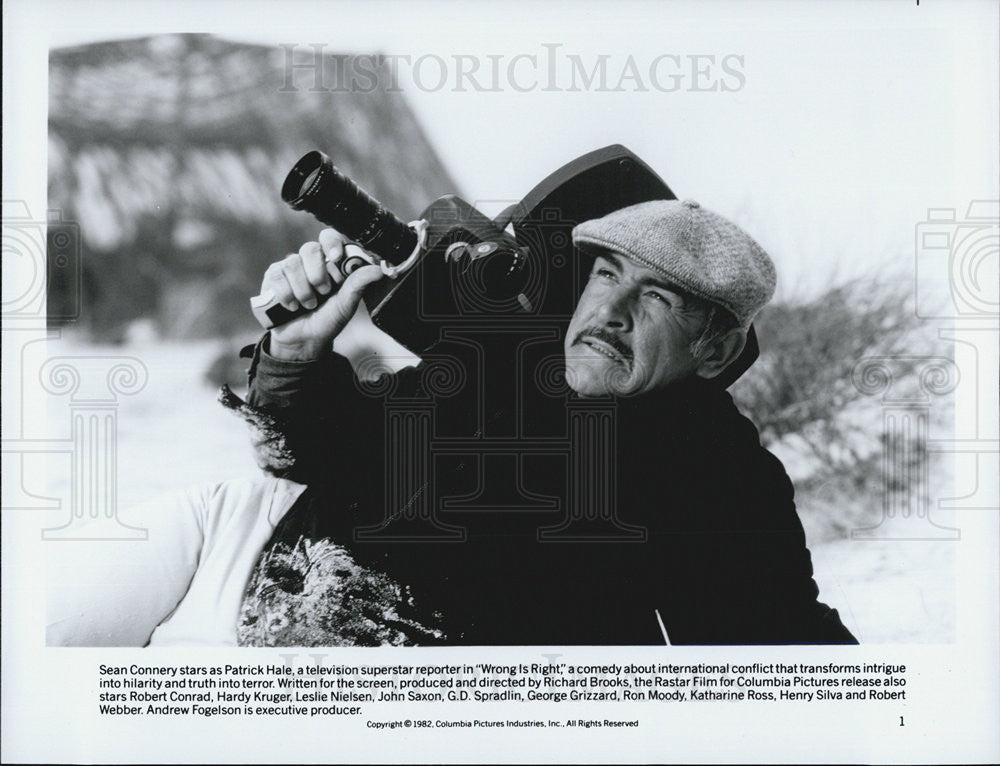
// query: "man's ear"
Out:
[721,352]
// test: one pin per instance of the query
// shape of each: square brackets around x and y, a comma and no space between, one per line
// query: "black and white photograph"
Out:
[545,382]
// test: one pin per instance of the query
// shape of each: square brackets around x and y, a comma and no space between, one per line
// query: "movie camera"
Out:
[456,264]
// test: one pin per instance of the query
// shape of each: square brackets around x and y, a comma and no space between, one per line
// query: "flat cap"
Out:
[694,248]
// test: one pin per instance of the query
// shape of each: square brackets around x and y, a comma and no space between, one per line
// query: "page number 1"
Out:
[901,720]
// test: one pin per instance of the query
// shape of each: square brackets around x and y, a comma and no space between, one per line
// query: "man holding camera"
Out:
[670,297]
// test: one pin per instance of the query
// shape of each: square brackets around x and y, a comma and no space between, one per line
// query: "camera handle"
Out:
[270,313]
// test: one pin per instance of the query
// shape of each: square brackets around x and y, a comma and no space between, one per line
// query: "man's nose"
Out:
[614,311]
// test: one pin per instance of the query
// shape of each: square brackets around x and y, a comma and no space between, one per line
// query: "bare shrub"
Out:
[802,383]
[802,396]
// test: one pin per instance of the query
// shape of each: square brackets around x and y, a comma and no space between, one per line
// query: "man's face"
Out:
[631,331]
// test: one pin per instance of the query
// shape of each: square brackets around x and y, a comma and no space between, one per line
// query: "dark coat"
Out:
[719,558]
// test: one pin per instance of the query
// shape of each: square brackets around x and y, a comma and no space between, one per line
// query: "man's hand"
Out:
[301,279]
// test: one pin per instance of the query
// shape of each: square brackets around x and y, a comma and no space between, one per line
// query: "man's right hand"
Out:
[302,279]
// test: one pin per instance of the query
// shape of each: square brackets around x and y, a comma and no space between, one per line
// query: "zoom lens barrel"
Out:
[316,186]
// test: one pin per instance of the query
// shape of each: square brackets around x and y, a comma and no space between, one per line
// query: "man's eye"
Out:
[604,273]
[659,297]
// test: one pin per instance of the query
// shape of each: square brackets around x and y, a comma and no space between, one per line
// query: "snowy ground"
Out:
[173,434]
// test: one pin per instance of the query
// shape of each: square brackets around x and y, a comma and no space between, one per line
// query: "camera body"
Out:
[469,270]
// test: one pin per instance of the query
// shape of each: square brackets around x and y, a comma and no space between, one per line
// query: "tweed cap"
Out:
[694,248]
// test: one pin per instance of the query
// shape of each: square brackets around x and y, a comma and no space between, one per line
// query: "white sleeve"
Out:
[115,592]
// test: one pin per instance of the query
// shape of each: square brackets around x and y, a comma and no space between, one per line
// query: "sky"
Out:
[832,127]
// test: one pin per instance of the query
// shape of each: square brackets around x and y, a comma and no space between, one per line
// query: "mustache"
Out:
[602,334]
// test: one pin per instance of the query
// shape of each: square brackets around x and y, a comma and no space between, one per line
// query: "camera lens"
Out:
[315,185]
[309,180]
[295,190]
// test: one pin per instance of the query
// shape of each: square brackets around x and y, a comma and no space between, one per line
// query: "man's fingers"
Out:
[303,278]
[295,273]
[355,284]
[341,307]
[332,243]
[315,267]
[276,284]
